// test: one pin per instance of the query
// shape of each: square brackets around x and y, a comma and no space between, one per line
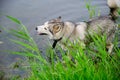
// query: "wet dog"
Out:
[63,31]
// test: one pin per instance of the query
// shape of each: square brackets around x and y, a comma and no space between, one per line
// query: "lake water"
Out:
[35,12]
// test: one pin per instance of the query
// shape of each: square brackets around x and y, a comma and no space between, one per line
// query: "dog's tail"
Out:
[114,5]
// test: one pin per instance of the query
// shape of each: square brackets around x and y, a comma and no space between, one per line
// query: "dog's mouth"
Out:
[43,34]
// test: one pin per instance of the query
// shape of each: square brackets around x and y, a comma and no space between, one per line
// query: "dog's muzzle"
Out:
[40,33]
[43,34]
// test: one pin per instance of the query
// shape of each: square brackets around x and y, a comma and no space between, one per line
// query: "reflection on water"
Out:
[33,13]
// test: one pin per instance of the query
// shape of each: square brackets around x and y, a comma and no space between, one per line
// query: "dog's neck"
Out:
[68,28]
[55,42]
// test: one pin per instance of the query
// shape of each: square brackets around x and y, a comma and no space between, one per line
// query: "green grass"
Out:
[91,9]
[119,11]
[91,63]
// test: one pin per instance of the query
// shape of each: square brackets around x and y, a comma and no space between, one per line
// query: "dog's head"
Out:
[51,28]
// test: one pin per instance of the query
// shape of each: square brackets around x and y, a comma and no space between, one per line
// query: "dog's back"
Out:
[102,25]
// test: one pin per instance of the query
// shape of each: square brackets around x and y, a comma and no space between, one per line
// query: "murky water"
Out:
[33,13]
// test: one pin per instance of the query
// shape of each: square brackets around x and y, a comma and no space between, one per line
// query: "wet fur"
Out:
[68,31]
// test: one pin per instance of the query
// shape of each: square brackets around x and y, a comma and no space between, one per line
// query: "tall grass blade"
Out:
[13,19]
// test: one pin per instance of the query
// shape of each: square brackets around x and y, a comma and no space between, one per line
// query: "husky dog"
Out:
[61,31]
[114,5]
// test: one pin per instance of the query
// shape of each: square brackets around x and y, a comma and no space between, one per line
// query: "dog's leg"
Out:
[63,45]
[109,47]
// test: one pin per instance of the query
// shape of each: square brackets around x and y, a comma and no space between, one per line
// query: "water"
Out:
[33,13]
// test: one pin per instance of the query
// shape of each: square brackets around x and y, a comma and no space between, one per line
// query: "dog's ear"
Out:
[56,28]
[58,19]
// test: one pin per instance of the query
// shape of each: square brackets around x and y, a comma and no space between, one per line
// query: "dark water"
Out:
[33,13]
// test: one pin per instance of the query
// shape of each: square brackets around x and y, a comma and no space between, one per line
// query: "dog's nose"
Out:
[36,28]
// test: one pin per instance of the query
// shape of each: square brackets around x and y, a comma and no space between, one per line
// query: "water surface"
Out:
[35,12]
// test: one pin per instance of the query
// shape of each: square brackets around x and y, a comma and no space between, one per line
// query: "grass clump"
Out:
[91,9]
[91,63]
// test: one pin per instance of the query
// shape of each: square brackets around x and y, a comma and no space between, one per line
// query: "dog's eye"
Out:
[45,28]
